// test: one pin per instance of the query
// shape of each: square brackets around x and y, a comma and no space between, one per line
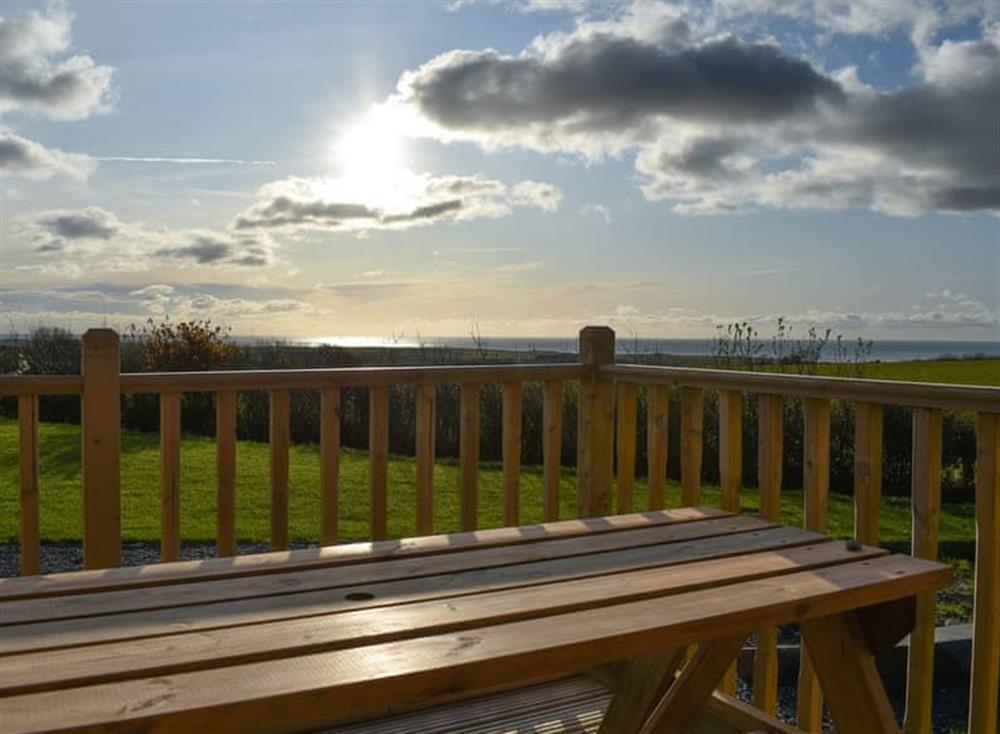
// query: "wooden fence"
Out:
[606,438]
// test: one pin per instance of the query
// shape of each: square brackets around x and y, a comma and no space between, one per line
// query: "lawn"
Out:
[61,493]
[956,371]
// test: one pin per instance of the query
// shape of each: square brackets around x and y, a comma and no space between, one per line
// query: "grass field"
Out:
[957,371]
[61,493]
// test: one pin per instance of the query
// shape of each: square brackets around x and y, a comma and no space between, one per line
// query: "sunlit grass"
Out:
[61,502]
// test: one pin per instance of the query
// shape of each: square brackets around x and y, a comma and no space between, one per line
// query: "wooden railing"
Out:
[606,439]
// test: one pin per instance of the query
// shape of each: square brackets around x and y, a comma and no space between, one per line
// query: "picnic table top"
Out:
[305,639]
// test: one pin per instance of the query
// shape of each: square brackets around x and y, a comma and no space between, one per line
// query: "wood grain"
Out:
[225,458]
[170,476]
[329,465]
[279,439]
[27,461]
[378,459]
[552,407]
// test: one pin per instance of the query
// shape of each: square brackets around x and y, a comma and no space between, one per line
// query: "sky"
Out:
[515,168]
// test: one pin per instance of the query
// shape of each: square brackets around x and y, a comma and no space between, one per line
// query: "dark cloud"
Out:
[604,82]
[284,211]
[431,211]
[92,223]
[32,78]
[22,157]
[203,250]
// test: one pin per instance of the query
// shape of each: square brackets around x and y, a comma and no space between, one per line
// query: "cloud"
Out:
[35,75]
[94,238]
[720,123]
[22,157]
[410,200]
[163,299]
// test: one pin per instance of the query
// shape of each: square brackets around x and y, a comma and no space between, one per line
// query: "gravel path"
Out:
[950,697]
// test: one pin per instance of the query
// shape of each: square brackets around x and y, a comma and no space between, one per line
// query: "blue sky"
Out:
[330,169]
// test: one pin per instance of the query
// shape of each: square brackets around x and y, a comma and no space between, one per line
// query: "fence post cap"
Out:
[597,345]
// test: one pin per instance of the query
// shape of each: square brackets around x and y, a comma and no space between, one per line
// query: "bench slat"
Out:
[88,630]
[317,690]
[86,582]
[167,655]
[175,595]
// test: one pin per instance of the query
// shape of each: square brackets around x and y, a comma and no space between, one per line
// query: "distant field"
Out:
[959,371]
[61,493]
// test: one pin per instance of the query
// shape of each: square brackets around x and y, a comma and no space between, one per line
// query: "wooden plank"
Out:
[101,449]
[329,465]
[658,403]
[405,584]
[511,452]
[312,379]
[692,441]
[225,453]
[816,484]
[725,710]
[595,424]
[730,448]
[468,458]
[628,405]
[847,671]
[316,690]
[378,459]
[425,395]
[78,582]
[175,595]
[170,476]
[685,698]
[644,681]
[552,406]
[868,418]
[770,417]
[885,392]
[27,459]
[926,497]
[279,440]
[495,601]
[730,476]
[985,680]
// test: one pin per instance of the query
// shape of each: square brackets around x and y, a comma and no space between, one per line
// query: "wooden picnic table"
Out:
[308,639]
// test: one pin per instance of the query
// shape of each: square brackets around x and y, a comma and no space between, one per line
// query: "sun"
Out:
[371,158]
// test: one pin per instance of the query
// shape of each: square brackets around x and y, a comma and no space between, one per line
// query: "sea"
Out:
[883,351]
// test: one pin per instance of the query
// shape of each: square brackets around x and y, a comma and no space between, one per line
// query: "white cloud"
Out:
[720,124]
[35,74]
[408,200]
[22,157]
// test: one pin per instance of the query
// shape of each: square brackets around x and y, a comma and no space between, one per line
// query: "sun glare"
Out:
[371,159]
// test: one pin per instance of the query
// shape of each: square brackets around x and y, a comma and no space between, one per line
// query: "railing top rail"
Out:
[890,392]
[310,379]
[41,385]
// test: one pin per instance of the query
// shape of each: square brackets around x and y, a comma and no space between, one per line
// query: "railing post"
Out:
[101,447]
[595,424]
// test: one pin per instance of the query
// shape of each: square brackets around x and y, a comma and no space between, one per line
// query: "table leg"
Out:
[641,684]
[684,700]
[846,670]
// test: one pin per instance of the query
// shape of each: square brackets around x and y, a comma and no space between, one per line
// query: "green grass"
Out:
[956,371]
[61,493]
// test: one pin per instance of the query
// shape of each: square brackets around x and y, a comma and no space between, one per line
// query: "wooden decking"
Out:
[310,639]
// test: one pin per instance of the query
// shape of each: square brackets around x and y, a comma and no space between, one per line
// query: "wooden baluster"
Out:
[329,464]
[628,405]
[595,424]
[926,499]
[27,426]
[378,455]
[657,412]
[730,475]
[692,419]
[468,457]
[552,404]
[985,680]
[101,448]
[225,452]
[170,476]
[279,438]
[770,410]
[511,451]
[816,483]
[867,471]
[425,459]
